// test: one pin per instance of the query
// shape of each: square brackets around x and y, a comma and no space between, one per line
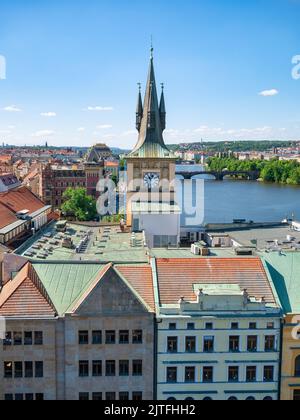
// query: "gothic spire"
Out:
[139,110]
[152,125]
[162,109]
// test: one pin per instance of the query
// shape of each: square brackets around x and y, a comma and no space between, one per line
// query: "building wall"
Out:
[220,359]
[93,174]
[110,307]
[136,169]
[56,182]
[30,353]
[104,352]
[166,227]
[290,381]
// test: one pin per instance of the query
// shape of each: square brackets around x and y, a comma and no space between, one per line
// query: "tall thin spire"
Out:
[162,109]
[152,125]
[139,109]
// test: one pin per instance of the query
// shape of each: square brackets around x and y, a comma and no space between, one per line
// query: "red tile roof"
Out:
[21,199]
[140,278]
[22,296]
[7,217]
[176,277]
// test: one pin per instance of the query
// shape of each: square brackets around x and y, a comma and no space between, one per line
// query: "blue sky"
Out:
[72,69]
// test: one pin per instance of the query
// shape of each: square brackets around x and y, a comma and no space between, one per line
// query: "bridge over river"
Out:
[219,175]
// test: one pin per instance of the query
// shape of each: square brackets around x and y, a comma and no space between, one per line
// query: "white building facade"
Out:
[224,345]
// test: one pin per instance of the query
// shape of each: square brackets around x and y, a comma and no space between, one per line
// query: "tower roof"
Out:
[150,142]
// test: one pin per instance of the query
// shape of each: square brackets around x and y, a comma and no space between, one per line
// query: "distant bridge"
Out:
[220,175]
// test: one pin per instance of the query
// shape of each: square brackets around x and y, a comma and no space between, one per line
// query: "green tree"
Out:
[78,204]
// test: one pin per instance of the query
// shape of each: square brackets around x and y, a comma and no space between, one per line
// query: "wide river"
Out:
[235,199]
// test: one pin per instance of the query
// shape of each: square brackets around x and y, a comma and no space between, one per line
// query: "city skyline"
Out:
[227,70]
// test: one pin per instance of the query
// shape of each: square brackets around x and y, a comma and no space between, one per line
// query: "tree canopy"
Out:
[78,204]
[277,171]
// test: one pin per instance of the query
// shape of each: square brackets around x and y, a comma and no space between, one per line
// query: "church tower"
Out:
[151,171]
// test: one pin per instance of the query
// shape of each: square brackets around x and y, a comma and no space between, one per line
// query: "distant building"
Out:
[112,168]
[94,167]
[33,181]
[20,211]
[6,164]
[57,178]
[98,152]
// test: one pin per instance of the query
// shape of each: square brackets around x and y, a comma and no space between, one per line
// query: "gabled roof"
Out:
[176,277]
[66,283]
[33,174]
[7,217]
[284,271]
[11,265]
[140,279]
[24,296]
[20,199]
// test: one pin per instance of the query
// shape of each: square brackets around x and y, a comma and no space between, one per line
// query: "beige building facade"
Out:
[100,348]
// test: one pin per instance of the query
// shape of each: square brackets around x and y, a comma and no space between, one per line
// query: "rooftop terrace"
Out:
[83,243]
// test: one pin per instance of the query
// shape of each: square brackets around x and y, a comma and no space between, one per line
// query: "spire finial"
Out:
[139,86]
[152,49]
[162,86]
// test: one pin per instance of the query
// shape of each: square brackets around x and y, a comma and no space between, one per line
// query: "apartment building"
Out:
[21,212]
[218,330]
[56,179]
[80,331]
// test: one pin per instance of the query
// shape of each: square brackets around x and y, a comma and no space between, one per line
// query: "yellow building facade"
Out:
[284,270]
[290,370]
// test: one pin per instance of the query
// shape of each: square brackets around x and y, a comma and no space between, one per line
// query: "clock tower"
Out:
[151,205]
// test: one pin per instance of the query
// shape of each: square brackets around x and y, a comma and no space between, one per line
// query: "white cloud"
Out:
[81,129]
[104,127]
[172,132]
[267,93]
[129,133]
[12,108]
[99,108]
[43,133]
[48,114]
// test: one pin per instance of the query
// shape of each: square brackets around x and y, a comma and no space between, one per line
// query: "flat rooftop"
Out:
[99,244]
[268,238]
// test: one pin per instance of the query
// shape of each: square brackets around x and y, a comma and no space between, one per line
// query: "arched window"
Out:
[207,399]
[189,399]
[268,399]
[171,399]
[250,399]
[232,399]
[297,367]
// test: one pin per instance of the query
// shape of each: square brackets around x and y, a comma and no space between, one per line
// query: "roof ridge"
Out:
[14,284]
[78,302]
[39,285]
[132,288]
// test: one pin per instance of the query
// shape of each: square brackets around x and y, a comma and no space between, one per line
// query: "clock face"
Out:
[151,180]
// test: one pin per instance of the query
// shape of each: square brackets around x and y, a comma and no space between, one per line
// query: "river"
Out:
[252,200]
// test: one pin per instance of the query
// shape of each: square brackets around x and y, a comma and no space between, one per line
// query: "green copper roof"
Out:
[285,273]
[65,283]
